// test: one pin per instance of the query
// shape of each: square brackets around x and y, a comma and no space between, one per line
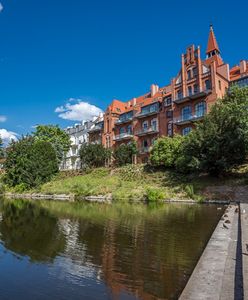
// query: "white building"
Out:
[78,136]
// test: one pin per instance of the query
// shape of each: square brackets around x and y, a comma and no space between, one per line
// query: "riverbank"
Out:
[136,183]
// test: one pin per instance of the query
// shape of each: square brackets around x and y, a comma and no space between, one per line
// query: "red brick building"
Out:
[173,109]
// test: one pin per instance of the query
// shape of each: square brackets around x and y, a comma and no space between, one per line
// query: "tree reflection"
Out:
[31,231]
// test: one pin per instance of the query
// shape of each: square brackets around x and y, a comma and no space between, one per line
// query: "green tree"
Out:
[166,150]
[220,141]
[1,148]
[30,162]
[58,138]
[93,155]
[124,153]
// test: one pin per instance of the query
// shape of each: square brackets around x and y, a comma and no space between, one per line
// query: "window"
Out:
[200,109]
[169,113]
[194,71]
[154,124]
[189,74]
[207,84]
[219,85]
[196,88]
[186,113]
[145,125]
[129,129]
[186,130]
[145,143]
[150,108]
[167,101]
[170,129]
[179,94]
[122,130]
[189,90]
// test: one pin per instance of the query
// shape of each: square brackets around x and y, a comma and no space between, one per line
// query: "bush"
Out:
[93,155]
[154,195]
[30,163]
[166,151]
[124,153]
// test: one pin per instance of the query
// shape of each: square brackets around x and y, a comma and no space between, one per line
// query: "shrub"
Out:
[124,153]
[154,195]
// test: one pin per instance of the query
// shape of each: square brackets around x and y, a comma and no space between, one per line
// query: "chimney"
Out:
[154,89]
[134,101]
[243,67]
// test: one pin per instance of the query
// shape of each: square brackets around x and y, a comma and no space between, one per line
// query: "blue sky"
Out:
[53,51]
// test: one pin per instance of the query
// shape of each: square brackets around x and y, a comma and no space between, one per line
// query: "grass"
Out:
[134,183]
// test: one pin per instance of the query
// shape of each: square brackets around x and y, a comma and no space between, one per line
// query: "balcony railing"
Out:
[123,136]
[192,96]
[145,131]
[188,118]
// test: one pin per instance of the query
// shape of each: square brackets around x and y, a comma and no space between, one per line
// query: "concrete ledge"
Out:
[209,279]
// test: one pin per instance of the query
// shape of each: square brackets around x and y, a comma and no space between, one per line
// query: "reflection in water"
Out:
[57,250]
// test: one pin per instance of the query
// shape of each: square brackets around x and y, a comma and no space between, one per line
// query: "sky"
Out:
[62,62]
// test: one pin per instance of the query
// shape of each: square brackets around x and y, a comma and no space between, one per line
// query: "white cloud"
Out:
[77,110]
[3,119]
[7,136]
[1,7]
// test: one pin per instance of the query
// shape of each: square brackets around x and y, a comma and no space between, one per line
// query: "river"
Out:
[52,250]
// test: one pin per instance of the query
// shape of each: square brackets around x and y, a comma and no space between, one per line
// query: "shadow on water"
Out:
[119,251]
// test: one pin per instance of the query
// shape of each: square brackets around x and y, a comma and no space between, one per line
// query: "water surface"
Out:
[52,250]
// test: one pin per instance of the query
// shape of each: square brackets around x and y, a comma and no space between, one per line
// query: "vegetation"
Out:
[123,154]
[219,142]
[1,148]
[57,137]
[166,151]
[29,163]
[93,155]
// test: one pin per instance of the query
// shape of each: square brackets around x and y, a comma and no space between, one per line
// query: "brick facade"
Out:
[172,109]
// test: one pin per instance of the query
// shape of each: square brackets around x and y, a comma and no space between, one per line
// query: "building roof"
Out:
[212,42]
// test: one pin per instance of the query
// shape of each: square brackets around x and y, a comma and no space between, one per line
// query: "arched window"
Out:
[186,113]
[200,109]
[186,130]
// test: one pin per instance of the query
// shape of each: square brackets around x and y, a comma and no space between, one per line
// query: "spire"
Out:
[212,47]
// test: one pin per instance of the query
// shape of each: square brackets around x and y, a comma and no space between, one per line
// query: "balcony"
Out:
[96,128]
[123,136]
[149,110]
[122,121]
[192,96]
[189,119]
[146,131]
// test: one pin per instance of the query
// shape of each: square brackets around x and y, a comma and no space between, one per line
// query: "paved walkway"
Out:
[222,271]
